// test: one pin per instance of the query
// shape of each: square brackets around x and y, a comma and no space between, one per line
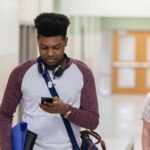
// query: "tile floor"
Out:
[120,122]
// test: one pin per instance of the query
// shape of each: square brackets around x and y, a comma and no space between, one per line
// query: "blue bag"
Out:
[22,139]
[18,134]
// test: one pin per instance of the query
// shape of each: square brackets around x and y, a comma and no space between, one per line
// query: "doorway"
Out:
[131,62]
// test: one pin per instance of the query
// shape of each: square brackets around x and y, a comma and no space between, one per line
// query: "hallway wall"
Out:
[9,39]
[29,9]
[9,45]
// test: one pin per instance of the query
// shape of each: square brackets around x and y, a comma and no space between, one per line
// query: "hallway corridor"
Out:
[120,121]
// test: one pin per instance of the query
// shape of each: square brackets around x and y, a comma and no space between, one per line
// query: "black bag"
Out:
[30,140]
[87,142]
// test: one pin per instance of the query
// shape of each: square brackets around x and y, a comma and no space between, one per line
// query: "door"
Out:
[131,62]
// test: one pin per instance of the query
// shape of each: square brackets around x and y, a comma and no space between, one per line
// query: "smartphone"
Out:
[46,99]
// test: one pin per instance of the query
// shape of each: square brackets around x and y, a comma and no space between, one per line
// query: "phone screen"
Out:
[46,99]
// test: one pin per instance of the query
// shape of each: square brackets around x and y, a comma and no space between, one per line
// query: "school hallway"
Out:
[120,121]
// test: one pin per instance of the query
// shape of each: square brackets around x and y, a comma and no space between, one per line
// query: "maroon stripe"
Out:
[88,115]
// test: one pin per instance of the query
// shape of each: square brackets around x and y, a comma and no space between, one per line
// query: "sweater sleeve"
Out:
[11,99]
[88,114]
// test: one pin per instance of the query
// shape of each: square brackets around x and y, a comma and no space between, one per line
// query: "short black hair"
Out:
[51,24]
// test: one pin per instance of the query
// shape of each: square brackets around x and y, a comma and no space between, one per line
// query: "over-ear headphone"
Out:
[57,72]
[41,66]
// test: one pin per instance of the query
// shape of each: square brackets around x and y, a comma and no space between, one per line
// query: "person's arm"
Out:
[10,101]
[88,114]
[146,135]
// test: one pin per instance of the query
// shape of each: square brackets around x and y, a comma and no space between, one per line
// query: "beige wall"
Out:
[29,9]
[9,45]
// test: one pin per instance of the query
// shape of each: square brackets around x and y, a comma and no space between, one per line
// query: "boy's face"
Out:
[52,49]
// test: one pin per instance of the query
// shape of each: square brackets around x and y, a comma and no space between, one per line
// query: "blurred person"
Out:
[146,124]
[73,80]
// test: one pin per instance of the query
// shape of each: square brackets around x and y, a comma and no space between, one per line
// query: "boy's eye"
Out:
[44,47]
[57,47]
